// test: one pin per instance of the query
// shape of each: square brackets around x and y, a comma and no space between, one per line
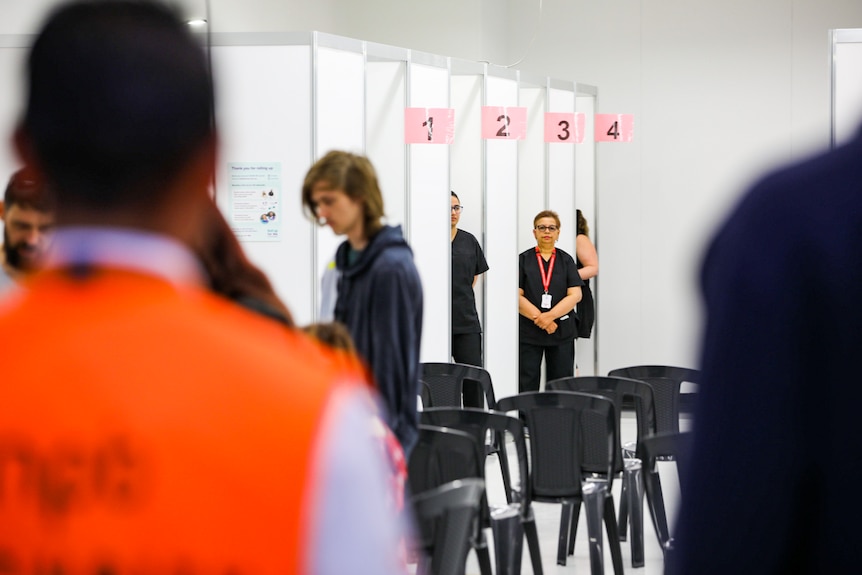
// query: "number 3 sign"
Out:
[564,127]
[614,127]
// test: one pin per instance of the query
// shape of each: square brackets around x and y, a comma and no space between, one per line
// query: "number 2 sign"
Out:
[614,127]
[429,125]
[504,123]
[564,127]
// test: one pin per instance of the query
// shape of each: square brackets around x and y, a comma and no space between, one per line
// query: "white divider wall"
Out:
[428,207]
[385,98]
[263,98]
[561,169]
[501,220]
[846,83]
[339,116]
[466,154]
[532,162]
[585,200]
[13,52]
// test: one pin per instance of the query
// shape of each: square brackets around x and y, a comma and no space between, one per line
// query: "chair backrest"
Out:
[666,381]
[620,390]
[441,455]
[446,383]
[668,445]
[555,423]
[478,422]
[450,512]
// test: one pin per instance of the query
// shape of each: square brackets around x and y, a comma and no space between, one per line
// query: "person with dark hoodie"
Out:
[379,292]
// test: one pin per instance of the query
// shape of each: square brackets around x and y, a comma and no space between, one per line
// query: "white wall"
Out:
[720,91]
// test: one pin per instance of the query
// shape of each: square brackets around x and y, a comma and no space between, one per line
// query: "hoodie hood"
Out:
[388,237]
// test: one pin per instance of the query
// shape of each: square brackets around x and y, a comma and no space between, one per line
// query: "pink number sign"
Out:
[429,125]
[504,123]
[614,127]
[564,127]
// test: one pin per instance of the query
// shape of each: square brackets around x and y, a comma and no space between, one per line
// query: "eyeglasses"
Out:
[457,208]
[547,228]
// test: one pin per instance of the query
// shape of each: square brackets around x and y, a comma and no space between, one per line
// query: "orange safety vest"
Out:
[147,428]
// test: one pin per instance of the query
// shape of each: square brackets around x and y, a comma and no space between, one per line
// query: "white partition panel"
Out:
[466,157]
[846,83]
[339,118]
[385,99]
[13,51]
[532,162]
[263,96]
[501,220]
[428,211]
[585,200]
[561,167]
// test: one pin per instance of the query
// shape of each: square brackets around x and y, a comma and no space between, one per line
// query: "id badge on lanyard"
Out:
[546,277]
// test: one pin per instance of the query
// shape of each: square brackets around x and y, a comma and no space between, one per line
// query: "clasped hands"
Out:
[546,322]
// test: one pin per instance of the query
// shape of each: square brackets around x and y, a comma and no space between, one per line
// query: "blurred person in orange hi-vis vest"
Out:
[157,427]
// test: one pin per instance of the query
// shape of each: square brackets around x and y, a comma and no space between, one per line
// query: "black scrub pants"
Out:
[467,348]
[559,362]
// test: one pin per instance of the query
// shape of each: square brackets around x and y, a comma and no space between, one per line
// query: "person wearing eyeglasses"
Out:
[549,288]
[468,261]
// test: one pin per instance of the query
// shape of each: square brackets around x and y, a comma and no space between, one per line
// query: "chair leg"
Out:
[508,531]
[623,520]
[633,482]
[655,501]
[484,556]
[503,458]
[565,524]
[610,518]
[532,535]
[594,493]
[573,530]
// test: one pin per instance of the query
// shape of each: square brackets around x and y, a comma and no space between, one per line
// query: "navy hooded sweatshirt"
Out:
[380,302]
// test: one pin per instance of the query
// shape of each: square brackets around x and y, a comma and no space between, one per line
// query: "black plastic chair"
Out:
[640,395]
[442,455]
[461,385]
[556,421]
[663,447]
[447,515]
[458,385]
[479,422]
[666,382]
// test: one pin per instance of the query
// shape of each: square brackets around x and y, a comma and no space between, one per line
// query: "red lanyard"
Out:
[546,278]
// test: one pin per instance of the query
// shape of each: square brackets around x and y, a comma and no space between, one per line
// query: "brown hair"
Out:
[229,270]
[26,190]
[354,175]
[546,214]
[583,228]
[333,334]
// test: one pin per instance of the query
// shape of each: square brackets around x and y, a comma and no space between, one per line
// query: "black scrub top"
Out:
[530,280]
[468,261]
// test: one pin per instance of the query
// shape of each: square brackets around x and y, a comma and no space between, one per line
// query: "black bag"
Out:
[586,311]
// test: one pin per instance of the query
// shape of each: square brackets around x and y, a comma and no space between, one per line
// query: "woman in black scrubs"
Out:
[549,288]
[468,261]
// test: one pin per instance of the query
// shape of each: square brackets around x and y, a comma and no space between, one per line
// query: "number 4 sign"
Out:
[614,127]
[429,125]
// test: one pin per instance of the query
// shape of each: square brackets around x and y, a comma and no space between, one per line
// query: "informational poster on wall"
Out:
[255,200]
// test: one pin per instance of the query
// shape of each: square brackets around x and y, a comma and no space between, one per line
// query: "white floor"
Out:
[548,522]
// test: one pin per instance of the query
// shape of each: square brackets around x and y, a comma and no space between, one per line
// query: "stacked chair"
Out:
[666,382]
[559,446]
[619,390]
[509,529]
[447,515]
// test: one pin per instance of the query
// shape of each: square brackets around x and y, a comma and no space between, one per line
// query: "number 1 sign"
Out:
[429,125]
[504,123]
[614,127]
